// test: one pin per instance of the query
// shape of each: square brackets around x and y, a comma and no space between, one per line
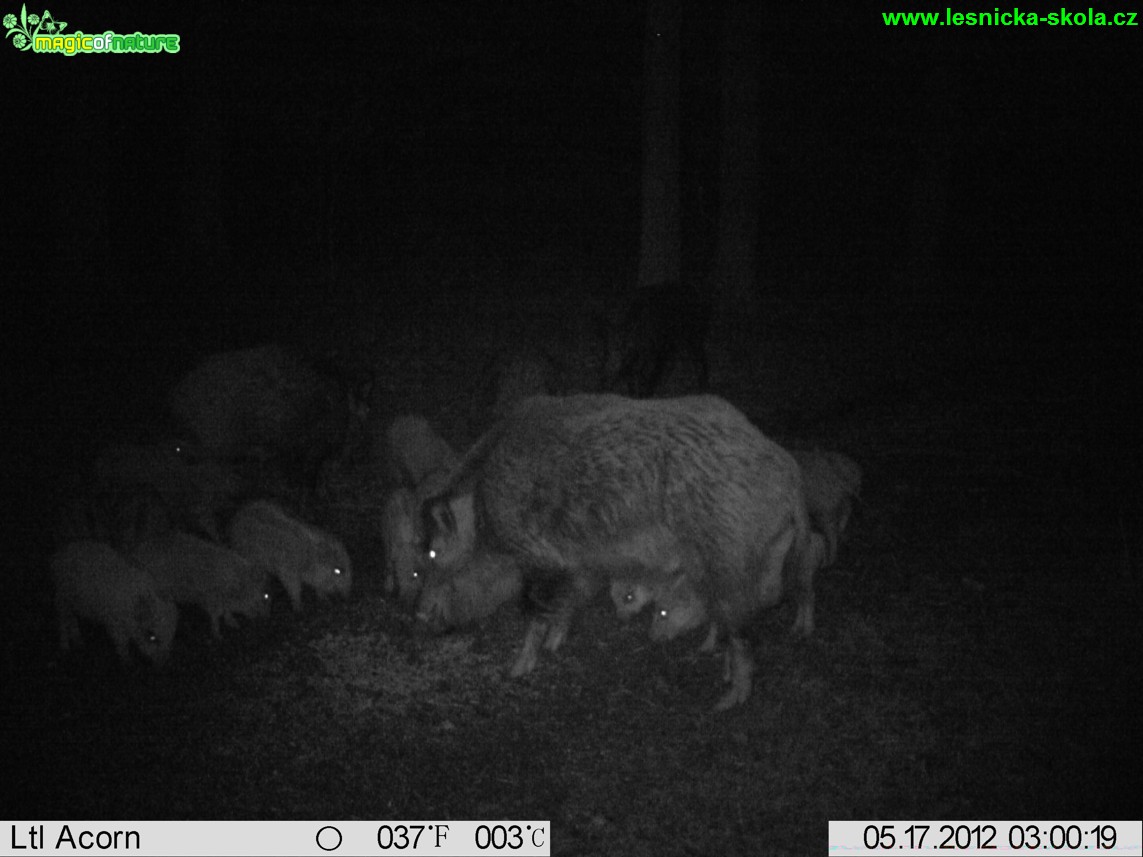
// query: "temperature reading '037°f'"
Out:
[404,837]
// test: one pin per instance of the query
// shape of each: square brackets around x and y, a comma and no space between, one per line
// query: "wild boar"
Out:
[267,404]
[400,532]
[94,581]
[195,493]
[832,482]
[679,607]
[451,599]
[189,570]
[294,552]
[661,323]
[414,454]
[578,489]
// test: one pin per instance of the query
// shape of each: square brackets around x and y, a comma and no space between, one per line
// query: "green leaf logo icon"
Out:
[23,30]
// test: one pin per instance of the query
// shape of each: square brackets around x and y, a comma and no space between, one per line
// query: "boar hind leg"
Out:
[711,641]
[740,662]
[557,633]
[577,591]
[833,534]
[812,558]
[529,654]
[549,630]
[558,627]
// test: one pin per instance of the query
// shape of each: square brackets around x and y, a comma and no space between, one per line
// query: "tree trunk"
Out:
[733,279]
[205,252]
[660,243]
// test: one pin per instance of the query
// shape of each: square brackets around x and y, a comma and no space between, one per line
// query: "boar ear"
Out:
[443,517]
[432,483]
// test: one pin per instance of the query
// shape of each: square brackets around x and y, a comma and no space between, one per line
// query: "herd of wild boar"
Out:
[195,522]
[681,504]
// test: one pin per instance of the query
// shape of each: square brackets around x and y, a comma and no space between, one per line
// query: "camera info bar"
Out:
[274,838]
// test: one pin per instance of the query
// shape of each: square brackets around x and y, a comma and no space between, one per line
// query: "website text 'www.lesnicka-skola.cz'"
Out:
[1015,17]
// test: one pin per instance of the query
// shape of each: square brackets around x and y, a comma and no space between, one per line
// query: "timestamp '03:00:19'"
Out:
[1020,836]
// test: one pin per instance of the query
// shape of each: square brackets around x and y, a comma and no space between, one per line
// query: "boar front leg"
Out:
[740,661]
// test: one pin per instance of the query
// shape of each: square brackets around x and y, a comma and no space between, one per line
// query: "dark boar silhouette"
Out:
[268,405]
[195,493]
[661,324]
[832,482]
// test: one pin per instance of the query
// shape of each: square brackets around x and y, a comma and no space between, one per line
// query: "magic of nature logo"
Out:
[44,34]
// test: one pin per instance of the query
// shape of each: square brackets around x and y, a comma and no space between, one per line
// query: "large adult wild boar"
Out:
[94,581]
[587,489]
[267,404]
